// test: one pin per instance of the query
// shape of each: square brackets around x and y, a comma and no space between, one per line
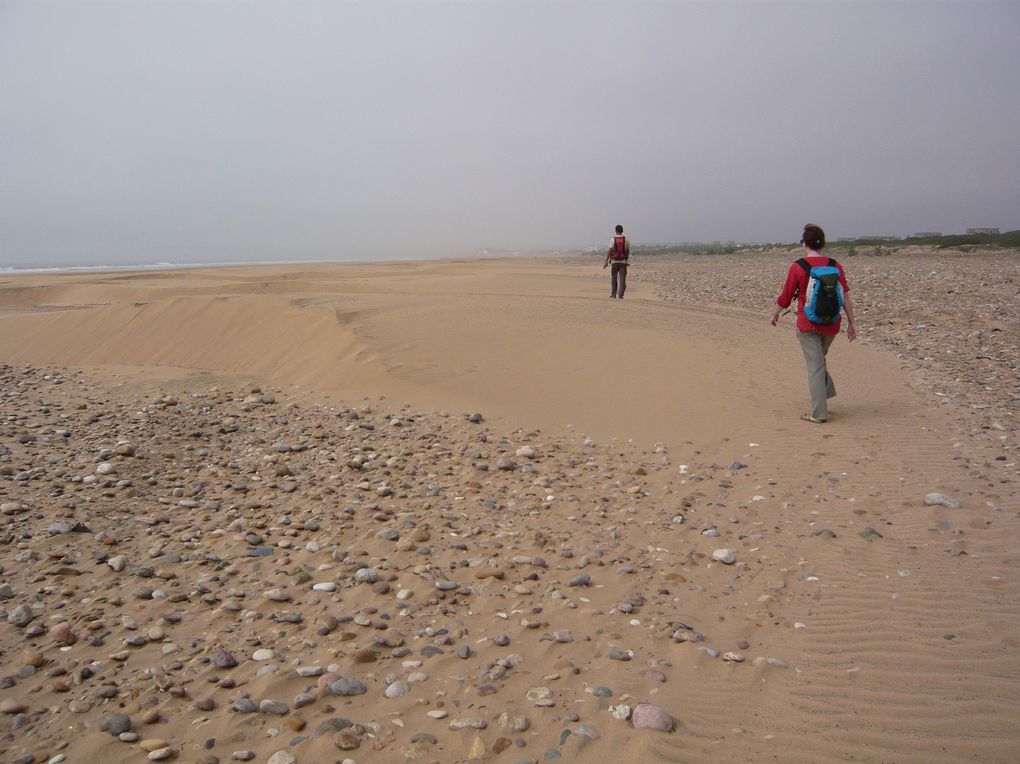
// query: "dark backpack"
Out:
[823,299]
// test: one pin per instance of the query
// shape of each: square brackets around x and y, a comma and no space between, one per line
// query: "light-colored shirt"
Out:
[612,249]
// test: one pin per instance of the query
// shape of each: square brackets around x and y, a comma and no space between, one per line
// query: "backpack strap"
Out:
[804,264]
[832,262]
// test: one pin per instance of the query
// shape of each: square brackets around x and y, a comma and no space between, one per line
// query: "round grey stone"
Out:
[366,576]
[115,723]
[21,616]
[345,686]
[273,707]
[244,706]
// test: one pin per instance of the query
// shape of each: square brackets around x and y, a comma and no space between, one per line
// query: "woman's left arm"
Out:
[851,326]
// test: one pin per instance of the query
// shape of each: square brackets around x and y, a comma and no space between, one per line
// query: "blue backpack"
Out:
[823,299]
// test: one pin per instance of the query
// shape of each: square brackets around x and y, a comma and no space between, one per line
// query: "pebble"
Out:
[468,723]
[941,499]
[346,686]
[366,576]
[117,562]
[21,616]
[282,757]
[12,706]
[115,723]
[303,699]
[647,716]
[396,689]
[513,721]
[725,556]
[538,693]
[206,555]
[273,707]
[222,659]
[621,711]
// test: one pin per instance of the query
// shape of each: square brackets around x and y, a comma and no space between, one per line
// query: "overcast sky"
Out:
[208,131]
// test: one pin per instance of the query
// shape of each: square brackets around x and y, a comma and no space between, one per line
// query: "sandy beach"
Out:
[452,511]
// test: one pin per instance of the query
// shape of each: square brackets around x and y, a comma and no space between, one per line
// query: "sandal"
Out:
[809,418]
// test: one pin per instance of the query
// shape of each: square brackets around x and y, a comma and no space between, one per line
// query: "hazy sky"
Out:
[206,131]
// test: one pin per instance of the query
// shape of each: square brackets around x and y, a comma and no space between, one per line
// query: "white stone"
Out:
[937,499]
[621,712]
[725,556]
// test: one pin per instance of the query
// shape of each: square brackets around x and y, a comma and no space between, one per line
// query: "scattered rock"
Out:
[941,499]
[647,716]
[725,556]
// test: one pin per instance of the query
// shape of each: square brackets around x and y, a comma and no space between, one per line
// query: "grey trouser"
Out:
[815,346]
[619,275]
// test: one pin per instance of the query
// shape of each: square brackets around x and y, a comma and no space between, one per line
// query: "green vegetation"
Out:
[950,241]
[694,248]
[871,246]
[1007,239]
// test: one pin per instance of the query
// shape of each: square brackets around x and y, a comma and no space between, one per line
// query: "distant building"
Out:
[928,235]
[993,231]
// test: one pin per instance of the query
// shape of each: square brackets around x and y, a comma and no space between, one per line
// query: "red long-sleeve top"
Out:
[796,286]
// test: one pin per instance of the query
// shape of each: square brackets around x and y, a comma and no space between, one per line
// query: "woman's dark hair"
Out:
[814,237]
[619,229]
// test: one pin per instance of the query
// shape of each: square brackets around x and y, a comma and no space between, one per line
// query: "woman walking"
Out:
[819,284]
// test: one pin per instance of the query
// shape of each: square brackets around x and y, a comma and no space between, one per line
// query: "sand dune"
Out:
[891,624]
[527,341]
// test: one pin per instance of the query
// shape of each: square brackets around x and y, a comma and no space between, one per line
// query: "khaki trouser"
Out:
[815,346]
